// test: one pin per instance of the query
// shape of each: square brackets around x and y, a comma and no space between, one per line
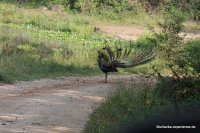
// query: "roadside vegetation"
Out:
[38,43]
[175,94]
[56,38]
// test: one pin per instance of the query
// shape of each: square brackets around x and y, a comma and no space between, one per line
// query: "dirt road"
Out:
[59,105]
[133,32]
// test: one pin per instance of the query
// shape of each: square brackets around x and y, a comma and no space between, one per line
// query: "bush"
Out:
[162,119]
[123,103]
[193,54]
[140,108]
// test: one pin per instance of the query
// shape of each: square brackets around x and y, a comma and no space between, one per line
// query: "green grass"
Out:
[50,50]
[24,57]
[133,105]
[63,41]
[36,44]
[45,19]
[36,53]
[118,107]
[122,105]
[69,21]
[192,54]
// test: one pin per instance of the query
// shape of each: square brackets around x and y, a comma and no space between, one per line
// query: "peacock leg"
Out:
[106,75]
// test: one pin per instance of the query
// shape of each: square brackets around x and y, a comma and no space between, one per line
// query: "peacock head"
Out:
[100,54]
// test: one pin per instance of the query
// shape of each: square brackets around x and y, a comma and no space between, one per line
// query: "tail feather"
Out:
[127,58]
[110,53]
[119,53]
[128,52]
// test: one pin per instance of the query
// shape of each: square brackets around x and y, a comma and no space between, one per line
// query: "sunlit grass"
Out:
[191,25]
[24,58]
[65,40]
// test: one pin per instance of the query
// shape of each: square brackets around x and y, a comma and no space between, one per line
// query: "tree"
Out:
[171,48]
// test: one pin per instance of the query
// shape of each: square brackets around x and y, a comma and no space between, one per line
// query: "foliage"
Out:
[161,117]
[171,44]
[150,5]
[114,7]
[173,50]
[24,58]
[176,52]
[192,54]
[179,90]
[138,107]
[119,107]
[191,7]
[171,26]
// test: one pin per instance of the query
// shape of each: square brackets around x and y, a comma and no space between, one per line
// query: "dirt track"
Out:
[132,32]
[52,105]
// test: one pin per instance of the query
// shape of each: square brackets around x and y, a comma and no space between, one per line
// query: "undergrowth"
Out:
[140,107]
[24,58]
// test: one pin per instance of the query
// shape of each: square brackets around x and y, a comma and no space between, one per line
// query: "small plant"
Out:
[123,103]
[172,49]
[193,54]
[170,42]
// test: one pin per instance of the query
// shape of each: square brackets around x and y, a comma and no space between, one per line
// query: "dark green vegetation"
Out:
[124,103]
[133,106]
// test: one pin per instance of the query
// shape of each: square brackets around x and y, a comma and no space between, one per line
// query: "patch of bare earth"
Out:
[133,32]
[123,32]
[59,105]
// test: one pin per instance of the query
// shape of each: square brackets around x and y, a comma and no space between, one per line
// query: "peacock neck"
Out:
[100,62]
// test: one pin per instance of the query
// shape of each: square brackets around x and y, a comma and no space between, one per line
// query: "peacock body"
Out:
[111,58]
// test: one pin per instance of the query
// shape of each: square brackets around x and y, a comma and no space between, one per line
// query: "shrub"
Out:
[123,103]
[193,54]
[140,108]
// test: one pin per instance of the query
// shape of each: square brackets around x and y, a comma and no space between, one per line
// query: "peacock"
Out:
[111,58]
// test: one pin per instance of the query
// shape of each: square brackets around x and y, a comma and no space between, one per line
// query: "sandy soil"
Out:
[59,105]
[123,32]
[133,32]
